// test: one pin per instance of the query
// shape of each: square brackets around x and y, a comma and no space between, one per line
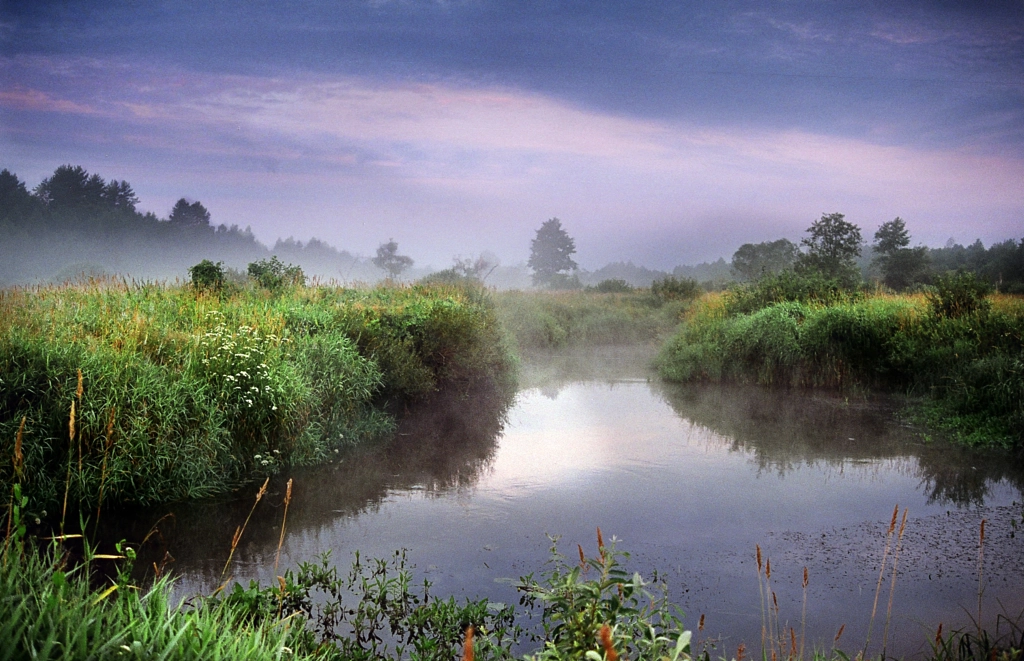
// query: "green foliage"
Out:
[575,604]
[901,266]
[755,261]
[612,286]
[972,365]
[273,274]
[959,294]
[803,287]
[549,320]
[207,276]
[189,214]
[551,256]
[184,397]
[832,246]
[671,288]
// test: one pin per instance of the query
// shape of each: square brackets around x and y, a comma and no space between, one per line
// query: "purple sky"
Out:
[663,133]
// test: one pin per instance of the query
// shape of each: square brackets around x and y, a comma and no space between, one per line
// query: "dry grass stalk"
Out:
[467,646]
[606,642]
[981,570]
[108,443]
[78,396]
[700,625]
[760,588]
[741,652]
[839,634]
[803,616]
[938,636]
[241,529]
[67,480]
[284,520]
[881,574]
[19,458]
[892,584]
[600,542]
[583,558]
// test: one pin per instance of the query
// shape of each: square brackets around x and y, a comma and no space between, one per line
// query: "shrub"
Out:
[207,275]
[612,286]
[809,287]
[273,274]
[959,294]
[671,288]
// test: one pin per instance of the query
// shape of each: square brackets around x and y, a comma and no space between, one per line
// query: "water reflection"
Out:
[785,429]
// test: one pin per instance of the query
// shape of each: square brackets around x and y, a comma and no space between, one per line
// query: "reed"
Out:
[981,569]
[881,574]
[892,583]
[239,531]
[284,521]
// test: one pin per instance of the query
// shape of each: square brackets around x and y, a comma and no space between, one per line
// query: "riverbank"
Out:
[146,393]
[967,369]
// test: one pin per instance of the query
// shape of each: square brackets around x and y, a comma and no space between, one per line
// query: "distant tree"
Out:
[16,203]
[389,261]
[119,195]
[188,214]
[273,274]
[901,265]
[71,187]
[832,249]
[551,254]
[207,275]
[754,261]
[476,269]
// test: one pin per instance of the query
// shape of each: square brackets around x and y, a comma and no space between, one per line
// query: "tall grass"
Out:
[971,367]
[554,320]
[185,394]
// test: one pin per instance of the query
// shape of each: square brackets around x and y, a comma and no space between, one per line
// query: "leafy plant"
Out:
[671,288]
[959,294]
[207,276]
[273,274]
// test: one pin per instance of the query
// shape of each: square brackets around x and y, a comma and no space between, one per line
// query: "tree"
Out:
[71,187]
[188,214]
[119,195]
[754,261]
[550,254]
[389,260]
[16,203]
[832,248]
[901,266]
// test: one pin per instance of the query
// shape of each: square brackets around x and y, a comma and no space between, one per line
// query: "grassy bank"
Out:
[563,319]
[145,393]
[970,367]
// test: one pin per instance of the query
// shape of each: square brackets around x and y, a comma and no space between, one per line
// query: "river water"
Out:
[688,479]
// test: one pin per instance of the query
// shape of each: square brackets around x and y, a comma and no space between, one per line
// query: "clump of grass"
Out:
[555,320]
[204,391]
[970,366]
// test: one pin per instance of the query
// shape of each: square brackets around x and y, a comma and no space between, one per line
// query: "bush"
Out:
[810,287]
[612,286]
[959,294]
[207,276]
[273,274]
[671,288]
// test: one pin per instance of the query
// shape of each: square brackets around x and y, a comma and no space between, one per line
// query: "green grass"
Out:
[555,320]
[187,394]
[970,367]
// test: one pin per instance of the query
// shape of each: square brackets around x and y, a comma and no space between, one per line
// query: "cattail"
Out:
[467,647]
[284,520]
[741,652]
[606,641]
[19,459]
[805,577]
[583,559]
[758,558]
[700,625]
[768,568]
[938,635]
[839,635]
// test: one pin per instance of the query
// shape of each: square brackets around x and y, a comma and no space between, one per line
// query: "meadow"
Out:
[142,393]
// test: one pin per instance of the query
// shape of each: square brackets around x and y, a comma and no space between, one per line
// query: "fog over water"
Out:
[689,478]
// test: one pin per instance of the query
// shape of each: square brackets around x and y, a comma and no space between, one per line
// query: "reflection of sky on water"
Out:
[690,478]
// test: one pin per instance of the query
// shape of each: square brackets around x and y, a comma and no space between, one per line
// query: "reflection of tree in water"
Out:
[783,429]
[442,444]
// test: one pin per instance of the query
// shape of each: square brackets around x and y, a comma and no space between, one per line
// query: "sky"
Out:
[662,133]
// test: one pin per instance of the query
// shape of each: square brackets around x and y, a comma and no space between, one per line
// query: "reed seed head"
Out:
[839,634]
[467,648]
[758,558]
[938,635]
[805,577]
[892,524]
[606,642]
[600,539]
[19,459]
[768,568]
[583,558]
[792,643]
[287,491]
[79,389]
[741,652]
[71,422]
[700,625]
[263,490]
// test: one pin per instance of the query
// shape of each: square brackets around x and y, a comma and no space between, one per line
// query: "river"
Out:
[688,479]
